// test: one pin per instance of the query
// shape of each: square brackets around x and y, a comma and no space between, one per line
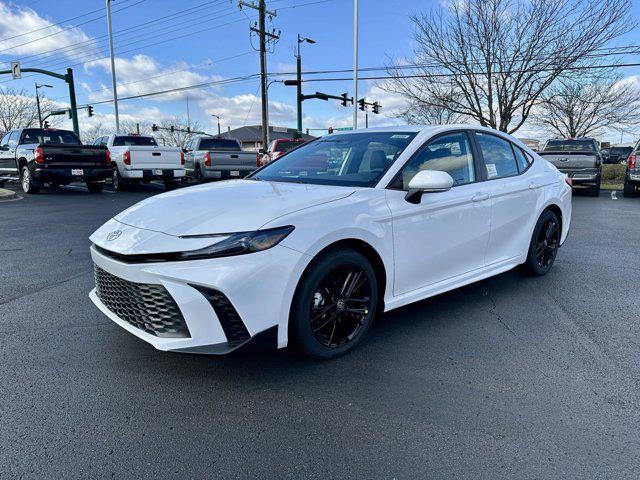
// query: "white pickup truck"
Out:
[136,158]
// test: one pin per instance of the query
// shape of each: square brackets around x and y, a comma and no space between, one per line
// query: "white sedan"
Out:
[311,247]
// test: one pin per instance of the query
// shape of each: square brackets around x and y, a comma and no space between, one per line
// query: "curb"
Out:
[7,194]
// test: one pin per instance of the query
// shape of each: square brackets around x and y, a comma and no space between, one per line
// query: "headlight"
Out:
[238,243]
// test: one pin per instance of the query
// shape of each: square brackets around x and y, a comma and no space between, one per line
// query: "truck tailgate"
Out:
[74,156]
[570,160]
[232,159]
[154,157]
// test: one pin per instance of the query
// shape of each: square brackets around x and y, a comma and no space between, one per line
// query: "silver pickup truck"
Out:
[209,158]
[632,174]
[579,158]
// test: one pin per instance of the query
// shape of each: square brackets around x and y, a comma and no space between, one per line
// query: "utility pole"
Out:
[38,102]
[355,63]
[113,66]
[218,117]
[299,80]
[261,30]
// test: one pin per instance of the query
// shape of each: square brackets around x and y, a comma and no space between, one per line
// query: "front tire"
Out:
[335,304]
[29,184]
[544,245]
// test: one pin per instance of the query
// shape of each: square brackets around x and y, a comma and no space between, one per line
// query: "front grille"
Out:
[147,307]
[232,325]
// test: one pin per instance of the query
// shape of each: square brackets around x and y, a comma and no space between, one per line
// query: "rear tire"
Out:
[29,184]
[170,184]
[95,187]
[199,177]
[116,180]
[334,305]
[544,244]
[595,190]
[629,189]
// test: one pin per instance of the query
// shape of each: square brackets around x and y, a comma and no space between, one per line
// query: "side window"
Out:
[498,156]
[13,138]
[5,139]
[449,153]
[522,159]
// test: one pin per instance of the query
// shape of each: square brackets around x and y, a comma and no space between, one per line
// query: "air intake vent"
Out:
[232,324]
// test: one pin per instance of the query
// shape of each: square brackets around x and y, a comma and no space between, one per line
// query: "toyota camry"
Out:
[309,249]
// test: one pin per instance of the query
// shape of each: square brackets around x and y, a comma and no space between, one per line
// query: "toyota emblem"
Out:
[113,235]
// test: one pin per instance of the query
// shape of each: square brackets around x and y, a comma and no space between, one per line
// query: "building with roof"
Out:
[250,136]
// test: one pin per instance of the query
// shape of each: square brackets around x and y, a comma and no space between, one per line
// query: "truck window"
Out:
[134,141]
[13,138]
[5,138]
[285,146]
[50,137]
[219,144]
[570,146]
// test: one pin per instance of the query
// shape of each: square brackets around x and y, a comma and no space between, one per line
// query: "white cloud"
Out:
[142,74]
[16,20]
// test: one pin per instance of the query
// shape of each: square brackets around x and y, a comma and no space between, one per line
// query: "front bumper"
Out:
[259,286]
[45,174]
[149,174]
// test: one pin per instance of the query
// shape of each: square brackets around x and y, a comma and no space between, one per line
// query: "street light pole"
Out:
[113,66]
[38,102]
[299,80]
[218,117]
[355,63]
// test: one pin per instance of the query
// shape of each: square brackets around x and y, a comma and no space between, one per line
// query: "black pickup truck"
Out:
[58,157]
[579,158]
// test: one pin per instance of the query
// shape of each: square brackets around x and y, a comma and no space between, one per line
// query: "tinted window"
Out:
[218,144]
[522,160]
[351,159]
[449,153]
[570,145]
[620,151]
[498,156]
[284,146]
[134,141]
[36,135]
[13,138]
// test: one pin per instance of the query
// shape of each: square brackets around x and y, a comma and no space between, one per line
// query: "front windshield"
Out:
[350,159]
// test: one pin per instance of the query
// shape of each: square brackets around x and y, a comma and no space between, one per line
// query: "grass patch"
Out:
[612,186]
[613,174]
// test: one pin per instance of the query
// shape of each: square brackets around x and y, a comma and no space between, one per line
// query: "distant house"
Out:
[250,137]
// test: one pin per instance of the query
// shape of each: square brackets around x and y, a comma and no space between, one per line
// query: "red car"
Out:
[279,147]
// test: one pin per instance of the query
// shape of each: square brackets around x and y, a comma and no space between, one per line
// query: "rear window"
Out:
[218,144]
[570,146]
[620,151]
[49,137]
[284,146]
[134,141]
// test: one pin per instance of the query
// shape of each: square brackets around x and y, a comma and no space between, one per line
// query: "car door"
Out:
[445,235]
[7,160]
[514,195]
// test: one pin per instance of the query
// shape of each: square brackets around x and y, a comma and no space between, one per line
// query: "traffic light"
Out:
[362,104]
[172,128]
[291,83]
[45,124]
[154,128]
[90,111]
[376,107]
[330,130]
[344,99]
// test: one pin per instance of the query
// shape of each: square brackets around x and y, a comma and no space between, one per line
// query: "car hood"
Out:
[225,207]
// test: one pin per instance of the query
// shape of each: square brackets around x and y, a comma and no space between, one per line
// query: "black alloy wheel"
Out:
[544,244]
[335,304]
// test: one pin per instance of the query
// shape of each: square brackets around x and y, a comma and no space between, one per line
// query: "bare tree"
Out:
[18,109]
[422,113]
[89,134]
[176,138]
[490,60]
[582,106]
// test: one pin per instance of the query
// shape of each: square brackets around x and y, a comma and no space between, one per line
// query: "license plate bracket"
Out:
[77,171]
[235,173]
[157,171]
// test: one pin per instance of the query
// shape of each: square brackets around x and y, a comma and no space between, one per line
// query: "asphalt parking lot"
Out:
[512,377]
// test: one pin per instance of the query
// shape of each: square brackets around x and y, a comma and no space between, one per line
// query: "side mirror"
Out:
[4,147]
[428,181]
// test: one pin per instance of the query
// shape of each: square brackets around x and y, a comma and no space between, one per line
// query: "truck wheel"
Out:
[595,190]
[2,182]
[199,177]
[170,184]
[117,180]
[29,185]
[629,189]
[95,187]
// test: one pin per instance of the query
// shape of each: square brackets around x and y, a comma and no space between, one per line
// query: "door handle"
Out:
[479,197]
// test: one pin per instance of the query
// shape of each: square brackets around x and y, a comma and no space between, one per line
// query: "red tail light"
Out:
[631,161]
[39,155]
[126,157]
[108,157]
[207,159]
[568,181]
[181,158]
[258,160]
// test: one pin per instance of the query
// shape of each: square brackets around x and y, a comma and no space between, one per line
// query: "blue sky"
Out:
[151,57]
